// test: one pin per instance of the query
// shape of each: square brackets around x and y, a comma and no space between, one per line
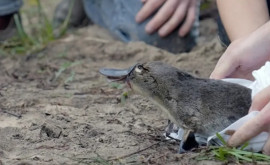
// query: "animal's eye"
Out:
[139,68]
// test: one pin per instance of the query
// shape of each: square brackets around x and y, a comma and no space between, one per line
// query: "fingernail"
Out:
[181,33]
[266,152]
[230,143]
[250,110]
[212,77]
[138,18]
[149,29]
[162,32]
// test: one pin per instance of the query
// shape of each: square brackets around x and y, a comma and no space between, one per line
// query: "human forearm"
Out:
[241,17]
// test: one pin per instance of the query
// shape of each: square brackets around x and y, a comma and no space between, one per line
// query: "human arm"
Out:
[171,13]
[260,123]
[248,51]
[242,17]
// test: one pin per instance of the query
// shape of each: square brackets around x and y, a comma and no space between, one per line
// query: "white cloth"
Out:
[262,80]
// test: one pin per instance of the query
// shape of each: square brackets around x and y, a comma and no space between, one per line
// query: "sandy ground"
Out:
[55,108]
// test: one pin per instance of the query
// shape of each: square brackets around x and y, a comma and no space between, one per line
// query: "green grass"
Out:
[40,32]
[64,67]
[226,154]
[116,85]
[206,4]
[124,97]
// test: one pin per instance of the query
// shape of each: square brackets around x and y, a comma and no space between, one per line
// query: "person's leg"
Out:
[118,16]
[7,9]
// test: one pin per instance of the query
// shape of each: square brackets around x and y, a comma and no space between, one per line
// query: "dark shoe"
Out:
[78,17]
[7,27]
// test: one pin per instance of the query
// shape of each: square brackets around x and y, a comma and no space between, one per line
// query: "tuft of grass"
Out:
[63,28]
[205,4]
[124,97]
[116,85]
[41,34]
[70,78]
[226,153]
[100,161]
[63,68]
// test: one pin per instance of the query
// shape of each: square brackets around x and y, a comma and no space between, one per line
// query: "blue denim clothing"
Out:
[118,17]
[9,6]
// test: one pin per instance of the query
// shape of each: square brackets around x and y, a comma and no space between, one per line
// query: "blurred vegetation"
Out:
[40,31]
[232,154]
[206,4]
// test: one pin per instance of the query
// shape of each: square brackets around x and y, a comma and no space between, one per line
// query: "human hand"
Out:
[260,123]
[171,13]
[244,55]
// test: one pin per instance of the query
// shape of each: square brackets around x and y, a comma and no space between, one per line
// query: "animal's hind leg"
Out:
[184,138]
[188,142]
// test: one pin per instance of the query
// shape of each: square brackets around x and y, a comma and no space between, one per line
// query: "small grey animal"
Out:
[202,106]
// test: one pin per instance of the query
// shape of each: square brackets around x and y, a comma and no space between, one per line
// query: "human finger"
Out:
[190,19]
[226,65]
[175,20]
[246,132]
[266,147]
[252,128]
[148,8]
[260,99]
[162,16]
[243,74]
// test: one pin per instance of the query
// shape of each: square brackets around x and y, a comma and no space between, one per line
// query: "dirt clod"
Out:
[50,131]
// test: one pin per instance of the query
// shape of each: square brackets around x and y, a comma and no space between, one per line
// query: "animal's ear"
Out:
[183,75]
